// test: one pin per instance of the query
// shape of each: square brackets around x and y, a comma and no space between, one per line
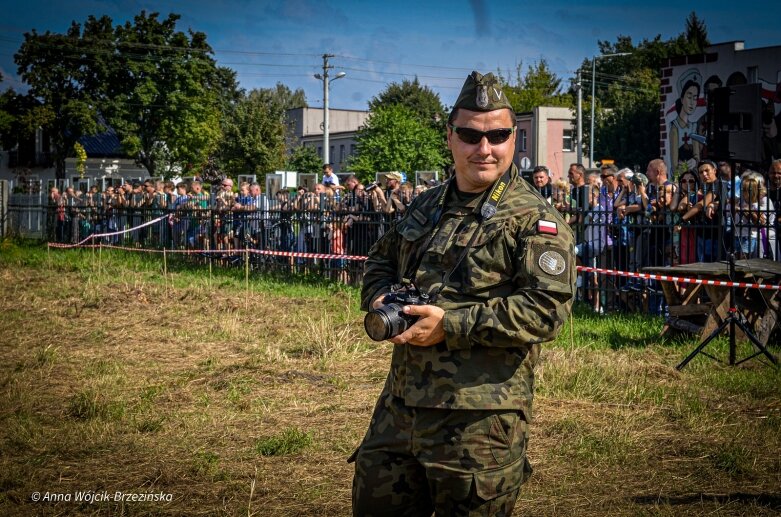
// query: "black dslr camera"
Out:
[389,320]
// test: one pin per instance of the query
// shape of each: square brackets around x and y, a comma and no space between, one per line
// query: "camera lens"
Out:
[386,322]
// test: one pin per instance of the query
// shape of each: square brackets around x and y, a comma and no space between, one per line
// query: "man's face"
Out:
[775,174]
[479,165]
[725,171]
[540,179]
[610,182]
[254,190]
[197,188]
[351,184]
[574,175]
[393,183]
[651,172]
[227,186]
[328,171]
[319,189]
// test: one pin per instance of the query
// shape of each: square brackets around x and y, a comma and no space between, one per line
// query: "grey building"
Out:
[306,128]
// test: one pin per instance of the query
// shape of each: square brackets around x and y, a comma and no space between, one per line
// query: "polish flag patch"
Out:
[548,227]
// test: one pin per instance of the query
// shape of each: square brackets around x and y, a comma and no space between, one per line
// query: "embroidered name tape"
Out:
[548,227]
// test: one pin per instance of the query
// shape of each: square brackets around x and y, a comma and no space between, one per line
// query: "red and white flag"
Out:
[548,227]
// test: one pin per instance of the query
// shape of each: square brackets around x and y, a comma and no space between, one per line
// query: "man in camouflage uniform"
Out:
[448,434]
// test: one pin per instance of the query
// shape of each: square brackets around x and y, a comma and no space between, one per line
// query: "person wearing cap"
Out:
[450,429]
[393,194]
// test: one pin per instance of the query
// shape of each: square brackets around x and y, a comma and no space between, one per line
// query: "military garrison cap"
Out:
[482,93]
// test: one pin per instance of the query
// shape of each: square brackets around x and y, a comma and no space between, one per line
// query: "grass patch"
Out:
[92,403]
[290,441]
[94,395]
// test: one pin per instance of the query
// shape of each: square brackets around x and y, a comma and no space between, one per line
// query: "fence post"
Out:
[246,275]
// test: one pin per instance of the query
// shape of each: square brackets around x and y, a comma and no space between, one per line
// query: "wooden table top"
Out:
[758,268]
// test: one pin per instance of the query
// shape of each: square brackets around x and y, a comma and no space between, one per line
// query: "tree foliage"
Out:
[304,159]
[394,138]
[538,87]
[254,135]
[629,86]
[57,67]
[162,94]
[420,100]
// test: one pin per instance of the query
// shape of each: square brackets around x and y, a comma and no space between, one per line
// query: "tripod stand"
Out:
[734,318]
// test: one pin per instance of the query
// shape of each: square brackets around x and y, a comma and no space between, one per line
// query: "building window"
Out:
[352,149]
[522,139]
[319,151]
[341,153]
[566,143]
[331,152]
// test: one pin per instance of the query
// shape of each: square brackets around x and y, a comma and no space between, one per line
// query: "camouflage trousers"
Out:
[419,461]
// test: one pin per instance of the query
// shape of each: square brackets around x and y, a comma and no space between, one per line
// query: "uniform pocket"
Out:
[507,436]
[490,484]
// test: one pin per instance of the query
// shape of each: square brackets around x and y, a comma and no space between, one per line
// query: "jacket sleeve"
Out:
[381,268]
[536,309]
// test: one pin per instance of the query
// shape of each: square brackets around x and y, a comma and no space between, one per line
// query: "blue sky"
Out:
[376,43]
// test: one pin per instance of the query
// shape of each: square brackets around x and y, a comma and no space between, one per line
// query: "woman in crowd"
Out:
[754,236]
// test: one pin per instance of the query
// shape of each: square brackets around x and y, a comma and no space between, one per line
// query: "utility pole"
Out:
[326,82]
[579,86]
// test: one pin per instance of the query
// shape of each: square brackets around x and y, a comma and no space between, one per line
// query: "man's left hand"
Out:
[427,331]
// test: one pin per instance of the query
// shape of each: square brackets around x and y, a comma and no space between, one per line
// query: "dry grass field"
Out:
[117,379]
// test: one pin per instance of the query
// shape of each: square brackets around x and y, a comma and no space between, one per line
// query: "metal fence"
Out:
[618,238]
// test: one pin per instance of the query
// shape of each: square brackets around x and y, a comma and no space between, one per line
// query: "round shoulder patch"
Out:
[552,263]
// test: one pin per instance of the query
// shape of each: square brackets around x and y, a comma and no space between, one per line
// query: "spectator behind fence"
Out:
[581,196]
[774,195]
[395,200]
[562,198]
[329,178]
[241,206]
[627,207]
[708,236]
[755,238]
[589,250]
[541,180]
[689,194]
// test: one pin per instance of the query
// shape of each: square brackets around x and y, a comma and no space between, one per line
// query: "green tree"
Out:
[254,136]
[162,94]
[421,100]
[304,159]
[630,130]
[284,97]
[57,67]
[538,87]
[394,138]
[629,87]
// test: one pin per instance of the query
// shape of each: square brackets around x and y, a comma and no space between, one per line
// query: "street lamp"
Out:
[593,93]
[326,82]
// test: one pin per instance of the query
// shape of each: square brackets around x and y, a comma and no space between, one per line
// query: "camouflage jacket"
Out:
[512,291]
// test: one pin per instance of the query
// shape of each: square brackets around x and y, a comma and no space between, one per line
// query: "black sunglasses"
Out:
[473,136]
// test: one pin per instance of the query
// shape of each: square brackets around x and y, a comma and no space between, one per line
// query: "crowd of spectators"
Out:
[328,218]
[622,219]
[628,220]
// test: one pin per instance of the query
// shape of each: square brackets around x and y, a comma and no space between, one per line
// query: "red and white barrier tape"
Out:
[678,279]
[296,254]
[308,255]
[107,234]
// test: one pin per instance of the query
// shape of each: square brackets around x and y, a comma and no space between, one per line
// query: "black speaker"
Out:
[735,123]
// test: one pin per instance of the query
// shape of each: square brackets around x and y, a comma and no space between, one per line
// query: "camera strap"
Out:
[488,208]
